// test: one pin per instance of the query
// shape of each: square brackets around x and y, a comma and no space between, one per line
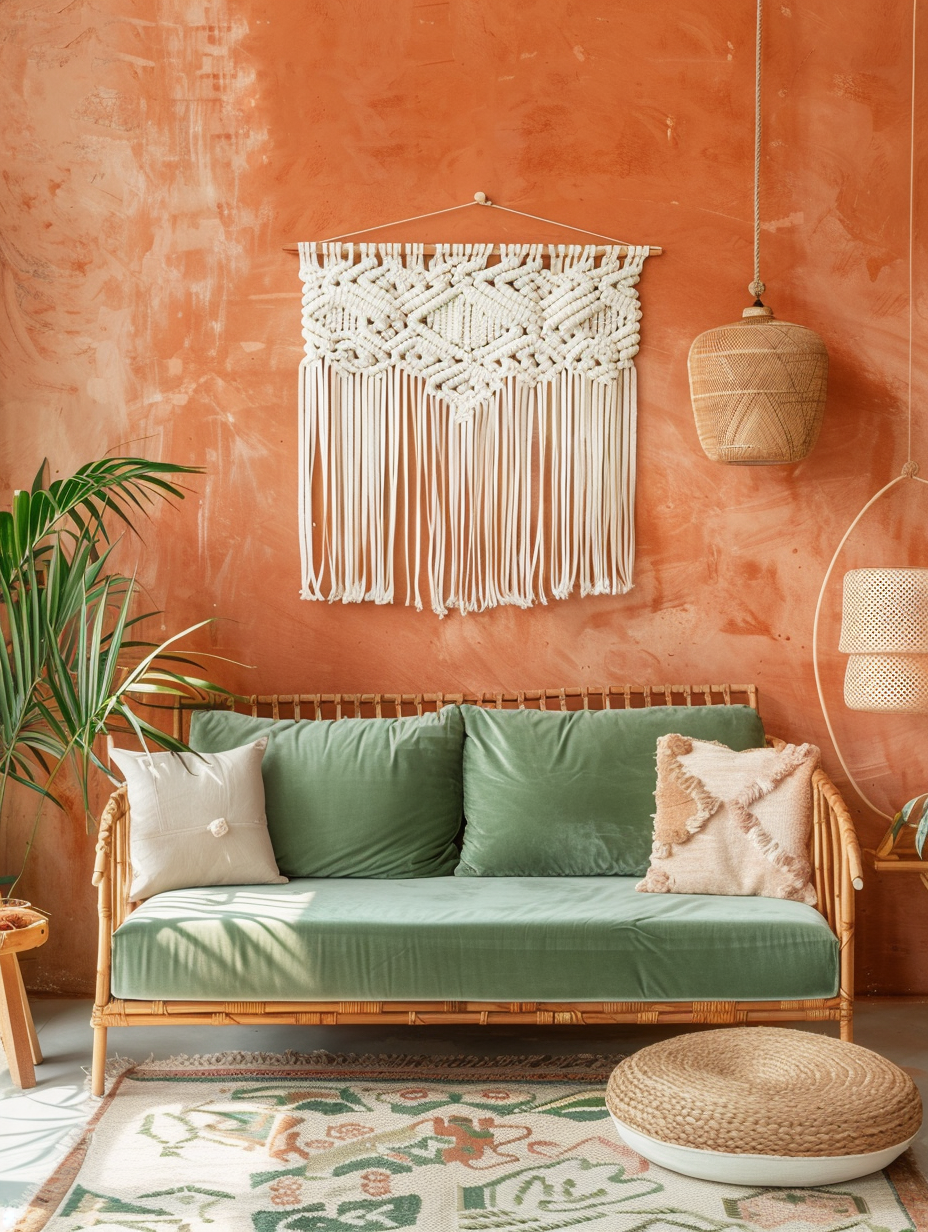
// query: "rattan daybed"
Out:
[835,857]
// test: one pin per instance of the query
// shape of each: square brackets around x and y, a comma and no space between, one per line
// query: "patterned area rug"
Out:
[323,1143]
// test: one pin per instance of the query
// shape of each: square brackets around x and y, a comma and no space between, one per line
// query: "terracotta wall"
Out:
[160,152]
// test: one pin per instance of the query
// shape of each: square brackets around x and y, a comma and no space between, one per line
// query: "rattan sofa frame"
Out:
[835,856]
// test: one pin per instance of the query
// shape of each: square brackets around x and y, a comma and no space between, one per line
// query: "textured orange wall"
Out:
[160,152]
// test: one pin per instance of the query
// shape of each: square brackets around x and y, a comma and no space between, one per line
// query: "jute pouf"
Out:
[764,1106]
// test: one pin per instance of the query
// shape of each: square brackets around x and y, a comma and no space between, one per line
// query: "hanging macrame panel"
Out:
[467,430]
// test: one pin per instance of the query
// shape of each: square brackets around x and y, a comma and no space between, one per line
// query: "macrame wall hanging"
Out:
[468,421]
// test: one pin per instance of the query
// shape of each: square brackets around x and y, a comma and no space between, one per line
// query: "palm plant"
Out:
[71,669]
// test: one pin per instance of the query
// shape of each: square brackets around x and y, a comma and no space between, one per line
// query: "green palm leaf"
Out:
[71,667]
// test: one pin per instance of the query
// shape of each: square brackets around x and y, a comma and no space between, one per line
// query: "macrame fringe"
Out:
[528,498]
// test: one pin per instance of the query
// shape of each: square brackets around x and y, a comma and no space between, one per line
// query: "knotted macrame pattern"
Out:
[467,430]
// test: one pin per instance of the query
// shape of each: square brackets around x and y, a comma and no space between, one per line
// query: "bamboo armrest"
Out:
[117,807]
[111,866]
[849,841]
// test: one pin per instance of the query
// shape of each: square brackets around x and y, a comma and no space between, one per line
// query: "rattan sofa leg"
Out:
[98,1072]
[847,1021]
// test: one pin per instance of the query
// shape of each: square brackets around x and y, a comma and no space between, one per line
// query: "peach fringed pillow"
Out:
[732,822]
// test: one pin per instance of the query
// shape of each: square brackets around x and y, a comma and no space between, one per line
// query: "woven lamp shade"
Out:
[758,390]
[884,629]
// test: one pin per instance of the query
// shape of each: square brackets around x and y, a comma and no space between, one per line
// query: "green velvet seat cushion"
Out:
[354,797]
[478,939]
[554,794]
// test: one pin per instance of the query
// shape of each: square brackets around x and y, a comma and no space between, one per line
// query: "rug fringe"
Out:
[581,1061]
[116,1066]
[12,1217]
[46,1197]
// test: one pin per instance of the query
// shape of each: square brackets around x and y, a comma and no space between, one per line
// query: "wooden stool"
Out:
[17,1030]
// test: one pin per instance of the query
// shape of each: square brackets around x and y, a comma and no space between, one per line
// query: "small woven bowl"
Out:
[14,917]
[764,1106]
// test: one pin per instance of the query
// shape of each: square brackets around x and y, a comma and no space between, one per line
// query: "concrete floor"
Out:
[35,1125]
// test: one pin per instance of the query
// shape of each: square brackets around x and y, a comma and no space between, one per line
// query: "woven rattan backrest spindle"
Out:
[339,706]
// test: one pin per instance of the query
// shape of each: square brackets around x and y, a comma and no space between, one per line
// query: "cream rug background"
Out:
[322,1143]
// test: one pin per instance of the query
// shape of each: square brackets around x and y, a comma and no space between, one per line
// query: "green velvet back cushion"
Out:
[572,795]
[354,797]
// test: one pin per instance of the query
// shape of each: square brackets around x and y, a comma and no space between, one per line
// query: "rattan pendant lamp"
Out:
[884,625]
[758,385]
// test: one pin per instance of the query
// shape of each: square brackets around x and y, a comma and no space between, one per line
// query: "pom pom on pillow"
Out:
[197,819]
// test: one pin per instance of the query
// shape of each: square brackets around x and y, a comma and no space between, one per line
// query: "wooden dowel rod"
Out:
[429,250]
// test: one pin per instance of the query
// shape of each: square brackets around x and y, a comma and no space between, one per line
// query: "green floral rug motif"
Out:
[356,1146]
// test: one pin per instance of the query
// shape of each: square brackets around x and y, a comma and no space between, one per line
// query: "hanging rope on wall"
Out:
[467,429]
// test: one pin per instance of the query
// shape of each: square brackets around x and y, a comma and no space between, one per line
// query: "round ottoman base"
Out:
[731,1169]
[764,1106]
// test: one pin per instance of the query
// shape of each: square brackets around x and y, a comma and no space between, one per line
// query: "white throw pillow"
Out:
[197,819]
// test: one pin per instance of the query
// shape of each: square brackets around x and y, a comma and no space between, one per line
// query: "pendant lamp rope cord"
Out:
[910,468]
[757,288]
[910,462]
